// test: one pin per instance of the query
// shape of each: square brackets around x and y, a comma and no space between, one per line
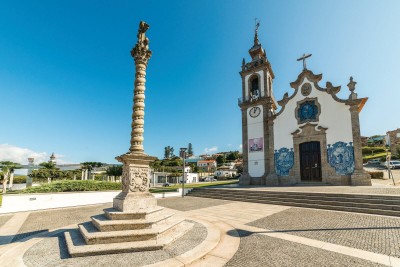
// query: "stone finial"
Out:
[243,64]
[352,87]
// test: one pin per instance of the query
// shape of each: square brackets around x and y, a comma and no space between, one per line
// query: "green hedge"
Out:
[376,175]
[73,186]
[367,150]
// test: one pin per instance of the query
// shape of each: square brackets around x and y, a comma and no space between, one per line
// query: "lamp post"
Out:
[183,155]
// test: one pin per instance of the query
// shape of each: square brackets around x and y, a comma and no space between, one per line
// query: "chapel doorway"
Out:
[310,162]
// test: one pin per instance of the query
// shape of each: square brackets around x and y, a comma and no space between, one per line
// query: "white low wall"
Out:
[29,202]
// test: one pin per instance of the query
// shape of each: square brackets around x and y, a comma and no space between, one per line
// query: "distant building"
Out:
[393,138]
[207,165]
[379,140]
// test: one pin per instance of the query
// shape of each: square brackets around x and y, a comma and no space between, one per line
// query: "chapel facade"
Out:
[313,137]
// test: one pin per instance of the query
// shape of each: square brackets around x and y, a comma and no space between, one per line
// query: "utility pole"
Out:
[183,155]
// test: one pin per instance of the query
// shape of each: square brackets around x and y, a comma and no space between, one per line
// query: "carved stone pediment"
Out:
[306,74]
[333,90]
[309,129]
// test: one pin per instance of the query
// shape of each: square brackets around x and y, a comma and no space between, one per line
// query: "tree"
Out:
[190,150]
[90,165]
[220,159]
[233,156]
[115,170]
[168,152]
[7,173]
[48,165]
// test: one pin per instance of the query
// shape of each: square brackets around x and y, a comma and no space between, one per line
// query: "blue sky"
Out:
[66,74]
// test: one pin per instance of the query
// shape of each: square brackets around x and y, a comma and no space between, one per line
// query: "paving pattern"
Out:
[4,219]
[190,203]
[43,221]
[265,251]
[53,252]
[379,234]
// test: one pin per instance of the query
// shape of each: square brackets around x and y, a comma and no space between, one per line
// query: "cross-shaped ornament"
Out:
[304,60]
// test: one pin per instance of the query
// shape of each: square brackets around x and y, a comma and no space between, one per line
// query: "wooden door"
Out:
[310,161]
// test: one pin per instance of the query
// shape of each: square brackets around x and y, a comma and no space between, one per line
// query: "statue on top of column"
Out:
[142,39]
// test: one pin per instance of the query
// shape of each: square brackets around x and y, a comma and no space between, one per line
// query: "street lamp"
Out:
[183,155]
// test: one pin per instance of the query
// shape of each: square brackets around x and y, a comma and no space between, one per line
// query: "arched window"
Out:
[255,87]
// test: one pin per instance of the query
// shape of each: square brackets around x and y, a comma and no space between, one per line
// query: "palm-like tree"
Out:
[7,173]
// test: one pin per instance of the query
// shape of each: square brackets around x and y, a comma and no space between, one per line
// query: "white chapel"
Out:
[313,138]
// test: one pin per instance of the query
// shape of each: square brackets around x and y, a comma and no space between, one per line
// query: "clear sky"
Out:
[66,74]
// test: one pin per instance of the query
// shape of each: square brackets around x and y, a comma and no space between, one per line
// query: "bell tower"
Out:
[258,106]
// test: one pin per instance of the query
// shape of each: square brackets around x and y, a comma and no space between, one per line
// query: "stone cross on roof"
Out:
[304,60]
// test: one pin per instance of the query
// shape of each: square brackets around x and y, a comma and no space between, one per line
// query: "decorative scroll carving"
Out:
[135,179]
[284,100]
[333,90]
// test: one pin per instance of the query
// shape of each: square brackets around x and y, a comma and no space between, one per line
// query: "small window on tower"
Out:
[255,88]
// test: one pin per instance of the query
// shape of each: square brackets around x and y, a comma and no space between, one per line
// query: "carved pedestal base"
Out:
[134,202]
[360,178]
[135,195]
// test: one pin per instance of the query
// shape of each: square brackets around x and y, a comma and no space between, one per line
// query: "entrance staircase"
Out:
[362,203]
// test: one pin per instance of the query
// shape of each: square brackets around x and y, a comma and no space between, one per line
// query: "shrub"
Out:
[367,150]
[20,179]
[376,175]
[73,186]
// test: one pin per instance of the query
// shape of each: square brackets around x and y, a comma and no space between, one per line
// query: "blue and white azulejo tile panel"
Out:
[284,161]
[341,157]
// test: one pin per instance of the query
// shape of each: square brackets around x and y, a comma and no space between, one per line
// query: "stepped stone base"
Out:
[118,232]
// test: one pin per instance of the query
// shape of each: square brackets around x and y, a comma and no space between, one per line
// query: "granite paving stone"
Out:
[190,203]
[4,219]
[379,234]
[42,221]
[52,251]
[260,250]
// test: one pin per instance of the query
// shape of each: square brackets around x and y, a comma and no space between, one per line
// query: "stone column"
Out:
[135,195]
[359,176]
[245,177]
[272,177]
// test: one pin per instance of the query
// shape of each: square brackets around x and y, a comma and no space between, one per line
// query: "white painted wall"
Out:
[334,115]
[255,129]
[246,83]
[27,202]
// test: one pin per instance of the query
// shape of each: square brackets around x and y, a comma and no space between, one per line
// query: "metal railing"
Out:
[251,98]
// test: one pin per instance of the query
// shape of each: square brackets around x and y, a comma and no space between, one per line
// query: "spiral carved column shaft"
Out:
[138,108]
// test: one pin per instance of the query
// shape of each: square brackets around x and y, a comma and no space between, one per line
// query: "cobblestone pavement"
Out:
[261,250]
[190,203]
[53,252]
[379,234]
[41,221]
[4,219]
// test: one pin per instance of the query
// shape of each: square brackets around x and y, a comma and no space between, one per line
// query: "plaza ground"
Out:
[226,233]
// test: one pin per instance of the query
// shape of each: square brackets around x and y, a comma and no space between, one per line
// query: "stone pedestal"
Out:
[135,195]
[360,178]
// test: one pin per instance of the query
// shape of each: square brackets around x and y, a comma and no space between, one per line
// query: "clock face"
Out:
[254,112]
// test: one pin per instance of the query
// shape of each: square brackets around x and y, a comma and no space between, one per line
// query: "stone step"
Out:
[378,203]
[292,193]
[387,212]
[93,236]
[343,197]
[77,248]
[114,214]
[103,224]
